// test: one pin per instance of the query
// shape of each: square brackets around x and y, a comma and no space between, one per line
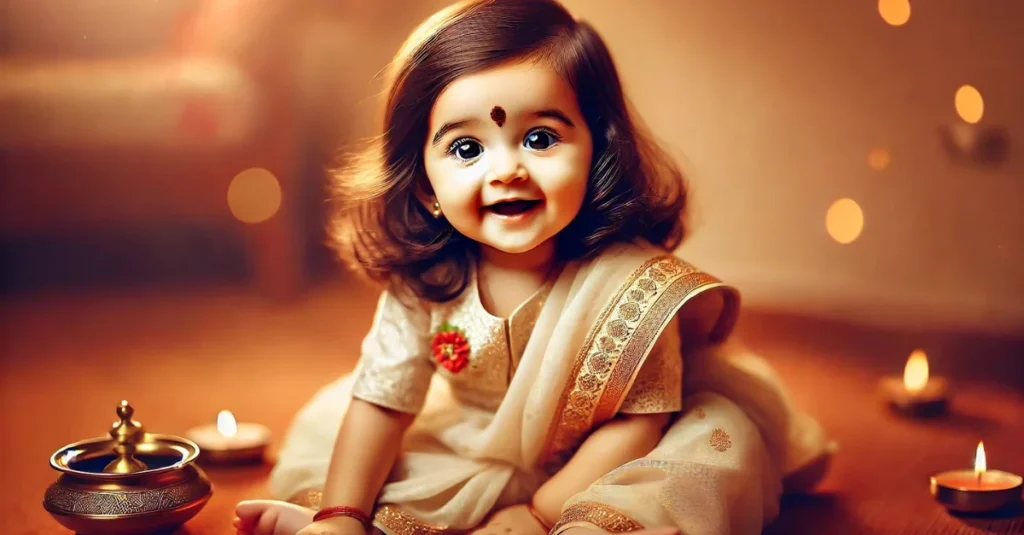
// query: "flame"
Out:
[979,461]
[915,375]
[226,424]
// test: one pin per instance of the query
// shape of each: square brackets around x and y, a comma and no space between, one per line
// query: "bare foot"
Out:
[271,517]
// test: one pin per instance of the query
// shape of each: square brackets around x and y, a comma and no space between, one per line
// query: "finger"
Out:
[241,528]
[253,515]
[252,508]
[267,522]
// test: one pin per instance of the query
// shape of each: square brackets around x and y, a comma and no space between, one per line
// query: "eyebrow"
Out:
[448,127]
[550,113]
[557,115]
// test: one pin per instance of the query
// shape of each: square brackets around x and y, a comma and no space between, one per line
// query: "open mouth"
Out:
[512,208]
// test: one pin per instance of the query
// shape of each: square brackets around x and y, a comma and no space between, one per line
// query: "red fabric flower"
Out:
[451,348]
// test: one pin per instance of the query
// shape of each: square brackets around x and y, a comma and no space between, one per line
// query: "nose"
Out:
[505,168]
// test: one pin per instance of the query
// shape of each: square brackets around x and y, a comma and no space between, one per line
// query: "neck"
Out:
[538,260]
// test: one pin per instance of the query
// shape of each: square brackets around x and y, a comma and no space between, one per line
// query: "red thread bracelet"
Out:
[342,510]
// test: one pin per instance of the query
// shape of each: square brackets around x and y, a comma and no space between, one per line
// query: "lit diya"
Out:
[229,441]
[917,394]
[976,491]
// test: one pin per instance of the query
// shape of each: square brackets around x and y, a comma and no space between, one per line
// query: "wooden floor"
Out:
[181,356]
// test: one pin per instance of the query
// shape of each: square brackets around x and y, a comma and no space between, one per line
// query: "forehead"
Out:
[517,87]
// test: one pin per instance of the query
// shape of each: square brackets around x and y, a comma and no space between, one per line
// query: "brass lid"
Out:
[127,434]
[134,451]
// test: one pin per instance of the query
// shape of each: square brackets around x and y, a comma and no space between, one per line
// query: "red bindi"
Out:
[498,115]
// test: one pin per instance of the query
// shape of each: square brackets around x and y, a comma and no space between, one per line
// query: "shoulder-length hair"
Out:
[635,190]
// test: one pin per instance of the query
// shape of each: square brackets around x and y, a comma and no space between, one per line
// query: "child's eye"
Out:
[465,149]
[540,139]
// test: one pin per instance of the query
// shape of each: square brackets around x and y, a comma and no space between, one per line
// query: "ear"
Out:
[425,196]
[426,199]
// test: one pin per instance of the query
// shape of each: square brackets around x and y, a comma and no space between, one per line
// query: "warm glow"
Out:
[254,195]
[980,465]
[894,12]
[70,455]
[969,104]
[226,424]
[844,221]
[915,375]
[878,158]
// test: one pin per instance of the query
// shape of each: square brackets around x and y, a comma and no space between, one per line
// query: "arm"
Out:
[654,397]
[364,453]
[389,391]
[623,439]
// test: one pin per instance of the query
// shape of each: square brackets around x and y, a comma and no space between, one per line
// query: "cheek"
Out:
[566,179]
[455,186]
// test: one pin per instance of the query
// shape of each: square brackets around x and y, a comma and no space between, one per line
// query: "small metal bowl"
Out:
[163,493]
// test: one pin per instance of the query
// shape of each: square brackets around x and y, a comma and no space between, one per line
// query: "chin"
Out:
[511,248]
[511,244]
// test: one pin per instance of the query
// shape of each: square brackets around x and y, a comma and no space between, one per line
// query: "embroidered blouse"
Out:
[397,365]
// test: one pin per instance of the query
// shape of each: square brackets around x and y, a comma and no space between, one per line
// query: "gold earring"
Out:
[437,210]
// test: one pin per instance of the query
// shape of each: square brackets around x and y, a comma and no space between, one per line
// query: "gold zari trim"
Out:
[310,498]
[646,335]
[624,333]
[599,515]
[385,517]
[395,520]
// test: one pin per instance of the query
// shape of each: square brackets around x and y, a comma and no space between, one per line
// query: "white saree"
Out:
[586,347]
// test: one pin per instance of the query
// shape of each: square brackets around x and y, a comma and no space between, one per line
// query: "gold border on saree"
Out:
[598,514]
[386,517]
[622,336]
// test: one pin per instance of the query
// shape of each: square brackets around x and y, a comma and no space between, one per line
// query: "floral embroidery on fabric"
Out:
[605,517]
[700,413]
[450,348]
[720,440]
[618,334]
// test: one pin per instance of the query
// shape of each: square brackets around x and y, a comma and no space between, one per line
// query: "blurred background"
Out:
[851,160]
[163,186]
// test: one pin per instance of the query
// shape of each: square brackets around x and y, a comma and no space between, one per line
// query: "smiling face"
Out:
[508,156]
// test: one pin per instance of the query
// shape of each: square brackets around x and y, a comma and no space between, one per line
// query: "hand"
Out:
[514,520]
[580,530]
[339,525]
[271,517]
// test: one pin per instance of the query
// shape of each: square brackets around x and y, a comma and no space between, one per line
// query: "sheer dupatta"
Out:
[598,325]
[596,328]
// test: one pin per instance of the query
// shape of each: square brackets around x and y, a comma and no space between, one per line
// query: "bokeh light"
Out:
[844,221]
[879,158]
[254,195]
[894,12]
[969,104]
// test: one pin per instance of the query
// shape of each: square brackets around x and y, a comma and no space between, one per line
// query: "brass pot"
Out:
[133,482]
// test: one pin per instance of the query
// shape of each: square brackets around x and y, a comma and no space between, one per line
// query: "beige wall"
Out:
[774,106]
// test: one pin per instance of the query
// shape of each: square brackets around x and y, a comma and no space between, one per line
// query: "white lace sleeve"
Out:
[395,366]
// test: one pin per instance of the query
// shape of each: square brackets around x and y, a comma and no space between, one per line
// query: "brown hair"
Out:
[635,190]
